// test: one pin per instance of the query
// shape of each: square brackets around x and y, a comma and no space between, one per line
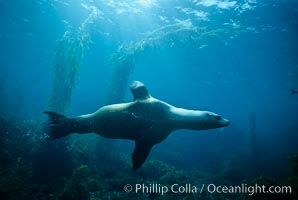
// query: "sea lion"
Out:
[146,120]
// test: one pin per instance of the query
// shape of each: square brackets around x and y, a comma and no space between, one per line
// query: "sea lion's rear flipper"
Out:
[58,125]
[140,154]
[139,91]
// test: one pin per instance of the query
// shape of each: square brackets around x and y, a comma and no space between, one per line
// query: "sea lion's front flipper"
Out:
[140,154]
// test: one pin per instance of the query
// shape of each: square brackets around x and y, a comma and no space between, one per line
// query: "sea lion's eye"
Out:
[218,117]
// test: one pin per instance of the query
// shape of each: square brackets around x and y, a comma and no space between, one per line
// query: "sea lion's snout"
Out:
[217,119]
[226,122]
[222,121]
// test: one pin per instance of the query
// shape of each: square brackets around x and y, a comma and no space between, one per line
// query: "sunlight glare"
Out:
[147,3]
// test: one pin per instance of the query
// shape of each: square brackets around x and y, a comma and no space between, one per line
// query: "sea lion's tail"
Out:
[58,125]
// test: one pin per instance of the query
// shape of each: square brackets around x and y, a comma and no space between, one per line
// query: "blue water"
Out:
[243,61]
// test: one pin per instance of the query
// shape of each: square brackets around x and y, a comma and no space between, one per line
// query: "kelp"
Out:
[68,54]
[182,33]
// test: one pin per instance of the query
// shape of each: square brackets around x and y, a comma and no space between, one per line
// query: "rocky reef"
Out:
[32,168]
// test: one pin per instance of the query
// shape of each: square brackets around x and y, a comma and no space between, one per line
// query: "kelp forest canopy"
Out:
[69,50]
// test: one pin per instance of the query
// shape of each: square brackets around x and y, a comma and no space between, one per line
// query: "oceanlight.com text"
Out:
[250,190]
[210,188]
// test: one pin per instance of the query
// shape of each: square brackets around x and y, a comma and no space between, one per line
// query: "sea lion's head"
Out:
[214,120]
